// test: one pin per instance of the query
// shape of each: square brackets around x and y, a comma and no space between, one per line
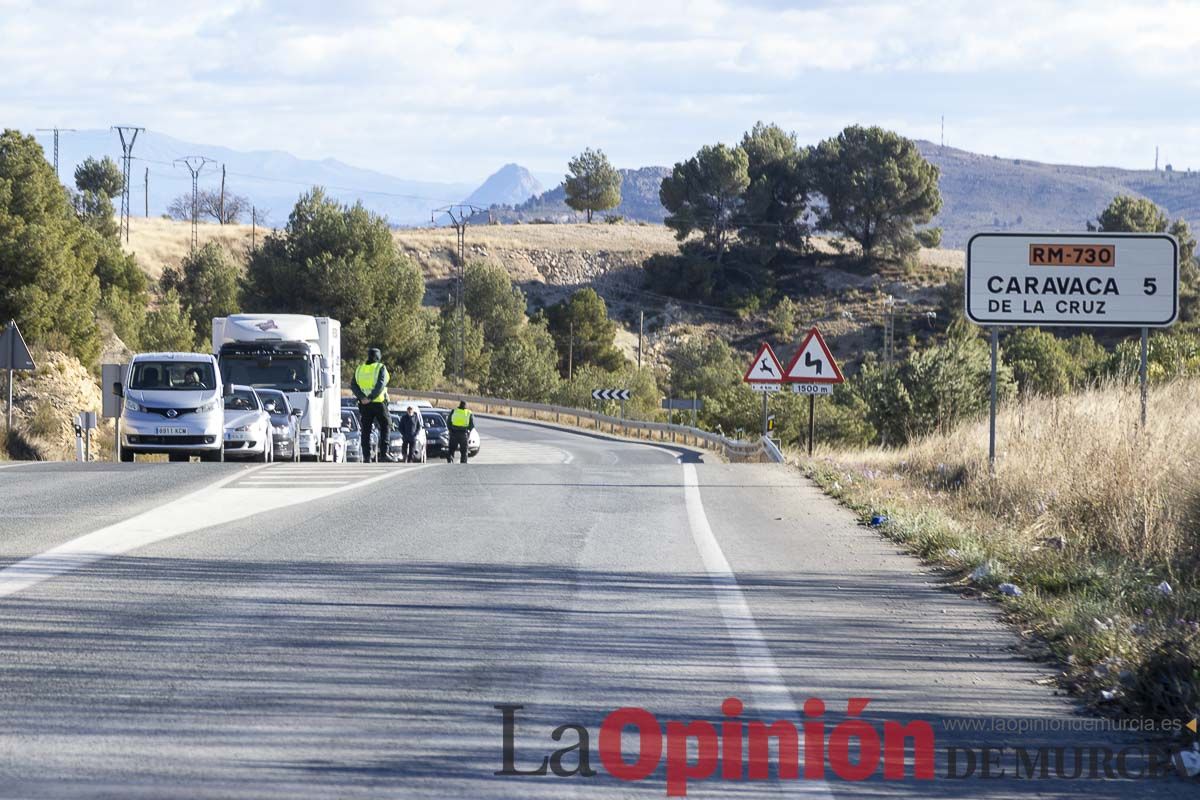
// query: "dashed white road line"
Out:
[767,686]
[204,508]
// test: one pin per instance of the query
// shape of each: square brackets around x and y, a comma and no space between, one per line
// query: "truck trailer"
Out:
[298,355]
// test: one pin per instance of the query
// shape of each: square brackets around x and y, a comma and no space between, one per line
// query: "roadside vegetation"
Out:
[1090,518]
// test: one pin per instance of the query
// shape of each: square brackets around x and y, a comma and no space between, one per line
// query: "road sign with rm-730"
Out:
[1086,279]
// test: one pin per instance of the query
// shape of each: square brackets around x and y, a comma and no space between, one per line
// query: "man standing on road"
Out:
[410,429]
[461,424]
[370,388]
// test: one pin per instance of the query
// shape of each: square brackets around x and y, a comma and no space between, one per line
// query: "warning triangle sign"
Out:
[813,363]
[14,353]
[765,368]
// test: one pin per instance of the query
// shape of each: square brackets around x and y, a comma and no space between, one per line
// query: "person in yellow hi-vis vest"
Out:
[370,388]
[461,423]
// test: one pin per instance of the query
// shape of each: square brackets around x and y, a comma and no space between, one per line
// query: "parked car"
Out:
[473,439]
[353,433]
[247,427]
[396,441]
[285,424]
[172,404]
[437,433]
[352,430]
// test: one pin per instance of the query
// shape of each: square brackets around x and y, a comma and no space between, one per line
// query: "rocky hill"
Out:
[988,193]
[510,185]
[639,201]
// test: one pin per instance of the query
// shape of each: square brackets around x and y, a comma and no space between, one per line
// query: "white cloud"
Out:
[450,90]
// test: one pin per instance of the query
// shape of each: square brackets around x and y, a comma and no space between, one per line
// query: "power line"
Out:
[56,132]
[126,155]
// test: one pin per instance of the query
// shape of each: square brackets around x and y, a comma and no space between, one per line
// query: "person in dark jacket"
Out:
[410,428]
[461,423]
[370,388]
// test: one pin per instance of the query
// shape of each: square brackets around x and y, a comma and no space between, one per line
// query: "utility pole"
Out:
[195,165]
[253,228]
[221,205]
[641,333]
[889,331]
[460,215]
[126,155]
[56,132]
[571,353]
[146,192]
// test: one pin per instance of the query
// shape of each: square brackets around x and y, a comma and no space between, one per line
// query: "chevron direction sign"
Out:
[610,394]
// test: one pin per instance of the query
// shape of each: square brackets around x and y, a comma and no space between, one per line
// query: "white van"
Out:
[173,404]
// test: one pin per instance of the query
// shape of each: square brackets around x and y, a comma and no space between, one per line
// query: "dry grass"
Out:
[161,242]
[1078,466]
[1087,514]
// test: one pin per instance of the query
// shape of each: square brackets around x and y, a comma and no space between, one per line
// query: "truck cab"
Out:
[298,355]
[173,403]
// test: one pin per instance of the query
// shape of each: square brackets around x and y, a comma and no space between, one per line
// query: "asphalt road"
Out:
[318,631]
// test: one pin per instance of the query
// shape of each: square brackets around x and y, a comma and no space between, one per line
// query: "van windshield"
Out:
[287,373]
[172,375]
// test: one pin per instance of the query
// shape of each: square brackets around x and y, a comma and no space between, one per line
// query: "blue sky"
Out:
[452,90]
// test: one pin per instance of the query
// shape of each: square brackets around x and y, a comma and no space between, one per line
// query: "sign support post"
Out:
[812,422]
[1142,370]
[766,399]
[8,414]
[992,416]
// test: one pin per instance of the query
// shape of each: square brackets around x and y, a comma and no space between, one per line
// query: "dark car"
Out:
[285,423]
[437,433]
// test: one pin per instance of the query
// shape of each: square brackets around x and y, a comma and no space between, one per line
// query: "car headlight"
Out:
[211,405]
[134,405]
[244,428]
[281,428]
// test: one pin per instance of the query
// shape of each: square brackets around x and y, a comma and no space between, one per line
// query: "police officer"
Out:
[461,424]
[370,388]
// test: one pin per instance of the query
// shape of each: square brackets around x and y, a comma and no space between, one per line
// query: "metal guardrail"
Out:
[732,449]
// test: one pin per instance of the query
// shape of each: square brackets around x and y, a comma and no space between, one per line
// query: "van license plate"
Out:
[172,431]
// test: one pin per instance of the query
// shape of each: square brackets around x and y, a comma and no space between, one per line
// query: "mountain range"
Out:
[271,179]
[979,192]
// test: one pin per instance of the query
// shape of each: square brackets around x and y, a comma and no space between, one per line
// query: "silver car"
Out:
[247,427]
[285,423]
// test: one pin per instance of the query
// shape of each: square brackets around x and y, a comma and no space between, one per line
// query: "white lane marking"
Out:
[204,508]
[766,682]
[13,464]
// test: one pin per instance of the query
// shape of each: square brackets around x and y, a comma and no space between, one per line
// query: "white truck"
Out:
[296,354]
